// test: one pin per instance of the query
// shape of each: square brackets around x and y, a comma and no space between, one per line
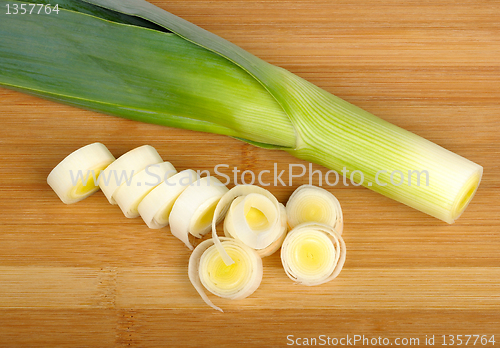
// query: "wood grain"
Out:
[84,275]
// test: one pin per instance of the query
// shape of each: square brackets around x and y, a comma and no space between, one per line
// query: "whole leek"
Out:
[115,56]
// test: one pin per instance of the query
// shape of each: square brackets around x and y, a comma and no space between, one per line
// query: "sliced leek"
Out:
[193,210]
[313,254]
[271,248]
[310,203]
[206,83]
[237,281]
[129,196]
[75,177]
[255,217]
[121,171]
[155,208]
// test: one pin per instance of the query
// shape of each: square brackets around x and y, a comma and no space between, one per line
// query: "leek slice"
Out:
[155,208]
[193,210]
[121,171]
[129,196]
[310,203]
[237,281]
[83,166]
[255,218]
[313,254]
[214,86]
[232,232]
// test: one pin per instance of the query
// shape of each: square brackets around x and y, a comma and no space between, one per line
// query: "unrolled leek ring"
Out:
[237,281]
[193,211]
[75,177]
[125,167]
[313,204]
[313,254]
[129,195]
[155,208]
[255,219]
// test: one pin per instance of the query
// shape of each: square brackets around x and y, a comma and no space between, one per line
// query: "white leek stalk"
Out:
[129,196]
[313,254]
[125,167]
[193,211]
[255,217]
[155,208]
[75,177]
[237,281]
[310,203]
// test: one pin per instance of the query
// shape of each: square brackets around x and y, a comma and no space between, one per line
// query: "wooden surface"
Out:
[84,275]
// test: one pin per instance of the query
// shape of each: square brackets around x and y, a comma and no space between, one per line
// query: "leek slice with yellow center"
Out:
[207,270]
[193,210]
[314,204]
[254,217]
[76,176]
[313,253]
[130,195]
[121,171]
[155,208]
[256,222]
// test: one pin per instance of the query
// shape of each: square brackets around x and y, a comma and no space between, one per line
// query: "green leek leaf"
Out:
[136,73]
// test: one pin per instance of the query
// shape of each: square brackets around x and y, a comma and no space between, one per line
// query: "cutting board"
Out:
[84,275]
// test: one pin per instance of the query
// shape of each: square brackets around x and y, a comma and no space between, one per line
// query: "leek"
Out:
[155,208]
[193,211]
[75,177]
[130,195]
[121,171]
[254,217]
[237,281]
[313,253]
[190,78]
[313,204]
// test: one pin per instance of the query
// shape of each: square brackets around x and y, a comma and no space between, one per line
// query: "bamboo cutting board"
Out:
[84,275]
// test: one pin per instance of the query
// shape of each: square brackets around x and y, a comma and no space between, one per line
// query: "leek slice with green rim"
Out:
[196,80]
